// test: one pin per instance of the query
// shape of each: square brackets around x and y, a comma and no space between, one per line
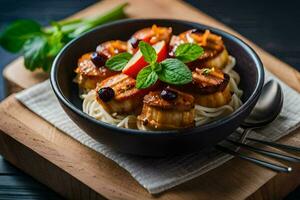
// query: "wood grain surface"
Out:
[27,139]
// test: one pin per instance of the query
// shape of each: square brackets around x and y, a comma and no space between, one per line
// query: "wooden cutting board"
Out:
[77,172]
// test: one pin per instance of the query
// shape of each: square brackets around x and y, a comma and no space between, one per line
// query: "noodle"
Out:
[94,109]
[91,107]
[128,122]
[203,114]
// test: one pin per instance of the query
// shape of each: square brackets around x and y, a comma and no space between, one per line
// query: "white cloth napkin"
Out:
[157,175]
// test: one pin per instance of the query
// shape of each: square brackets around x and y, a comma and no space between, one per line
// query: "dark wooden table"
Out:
[275,26]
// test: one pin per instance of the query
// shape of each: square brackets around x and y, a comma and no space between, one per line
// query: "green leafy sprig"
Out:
[39,45]
[188,52]
[118,62]
[171,70]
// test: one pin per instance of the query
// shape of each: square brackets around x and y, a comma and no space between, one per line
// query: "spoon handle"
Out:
[262,163]
[274,144]
[265,152]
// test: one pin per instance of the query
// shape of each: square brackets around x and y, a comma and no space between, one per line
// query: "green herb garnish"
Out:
[172,71]
[146,77]
[40,45]
[148,52]
[188,52]
[175,72]
[118,62]
[206,71]
[15,35]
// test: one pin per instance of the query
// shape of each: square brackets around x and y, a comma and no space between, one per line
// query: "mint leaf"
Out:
[145,78]
[148,52]
[156,67]
[188,52]
[35,53]
[175,72]
[118,62]
[16,34]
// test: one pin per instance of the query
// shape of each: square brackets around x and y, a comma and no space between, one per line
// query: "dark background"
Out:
[273,25]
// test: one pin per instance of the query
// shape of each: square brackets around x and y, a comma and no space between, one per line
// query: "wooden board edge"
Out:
[10,150]
[25,79]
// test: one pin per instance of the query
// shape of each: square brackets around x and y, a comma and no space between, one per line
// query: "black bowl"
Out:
[153,143]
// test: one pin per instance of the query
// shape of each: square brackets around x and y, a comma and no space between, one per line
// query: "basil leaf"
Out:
[15,35]
[145,78]
[118,62]
[35,56]
[148,52]
[188,52]
[175,72]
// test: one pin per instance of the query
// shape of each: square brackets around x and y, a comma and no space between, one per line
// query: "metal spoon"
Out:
[267,107]
[265,111]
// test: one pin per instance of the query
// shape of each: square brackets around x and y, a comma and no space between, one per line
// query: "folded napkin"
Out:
[157,174]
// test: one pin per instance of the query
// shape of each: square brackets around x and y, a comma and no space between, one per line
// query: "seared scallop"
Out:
[211,87]
[151,35]
[215,53]
[88,74]
[162,112]
[126,98]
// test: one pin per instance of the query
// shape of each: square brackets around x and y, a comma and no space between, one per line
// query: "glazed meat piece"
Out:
[209,80]
[151,35]
[88,74]
[111,48]
[215,53]
[91,70]
[162,112]
[211,87]
[126,97]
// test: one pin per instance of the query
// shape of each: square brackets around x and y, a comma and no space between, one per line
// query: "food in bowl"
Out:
[154,142]
[159,81]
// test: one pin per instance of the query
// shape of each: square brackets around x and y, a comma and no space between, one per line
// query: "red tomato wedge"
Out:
[137,62]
